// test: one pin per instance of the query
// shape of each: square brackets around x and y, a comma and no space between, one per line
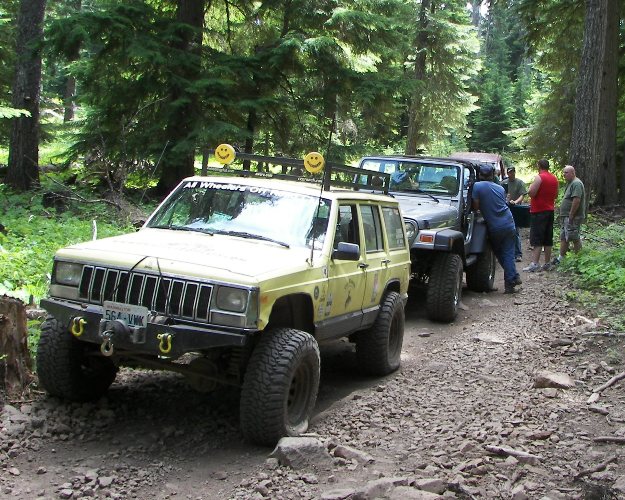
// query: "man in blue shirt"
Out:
[490,198]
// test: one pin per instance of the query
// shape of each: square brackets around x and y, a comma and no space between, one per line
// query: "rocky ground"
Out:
[519,398]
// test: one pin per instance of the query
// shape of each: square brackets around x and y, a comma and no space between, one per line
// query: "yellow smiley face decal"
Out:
[224,154]
[314,162]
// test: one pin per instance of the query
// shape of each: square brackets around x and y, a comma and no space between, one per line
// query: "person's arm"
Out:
[533,190]
[475,203]
[475,200]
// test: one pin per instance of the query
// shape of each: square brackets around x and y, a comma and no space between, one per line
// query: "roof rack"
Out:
[333,175]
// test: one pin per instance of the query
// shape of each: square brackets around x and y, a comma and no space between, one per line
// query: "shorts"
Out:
[541,229]
[570,231]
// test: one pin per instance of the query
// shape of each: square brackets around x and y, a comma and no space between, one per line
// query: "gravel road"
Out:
[506,402]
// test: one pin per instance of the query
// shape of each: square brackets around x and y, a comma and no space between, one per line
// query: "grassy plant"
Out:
[599,269]
[613,356]
[32,234]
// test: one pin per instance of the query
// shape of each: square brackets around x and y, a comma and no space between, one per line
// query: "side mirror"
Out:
[346,251]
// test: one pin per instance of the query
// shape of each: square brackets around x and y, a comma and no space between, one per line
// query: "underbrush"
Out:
[30,234]
[598,271]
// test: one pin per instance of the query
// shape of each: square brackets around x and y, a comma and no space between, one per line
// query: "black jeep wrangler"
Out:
[447,237]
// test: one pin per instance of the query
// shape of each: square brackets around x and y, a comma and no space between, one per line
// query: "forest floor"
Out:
[462,418]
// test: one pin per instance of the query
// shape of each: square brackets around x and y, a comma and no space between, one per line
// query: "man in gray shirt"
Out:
[516,191]
[572,212]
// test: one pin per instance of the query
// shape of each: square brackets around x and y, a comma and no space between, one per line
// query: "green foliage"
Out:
[32,234]
[599,269]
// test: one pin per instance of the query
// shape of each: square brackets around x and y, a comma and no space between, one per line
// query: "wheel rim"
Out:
[458,291]
[299,396]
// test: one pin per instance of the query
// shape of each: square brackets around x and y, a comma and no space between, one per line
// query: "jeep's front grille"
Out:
[164,295]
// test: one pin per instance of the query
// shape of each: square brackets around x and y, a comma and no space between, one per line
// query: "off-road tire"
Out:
[71,369]
[378,349]
[280,386]
[481,275]
[444,288]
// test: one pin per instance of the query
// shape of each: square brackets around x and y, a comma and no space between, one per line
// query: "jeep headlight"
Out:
[232,299]
[67,273]
[411,231]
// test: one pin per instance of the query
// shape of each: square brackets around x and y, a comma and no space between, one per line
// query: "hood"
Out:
[190,254]
[421,209]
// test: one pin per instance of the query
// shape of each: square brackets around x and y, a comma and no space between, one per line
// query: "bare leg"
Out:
[564,247]
[536,254]
[577,246]
[547,254]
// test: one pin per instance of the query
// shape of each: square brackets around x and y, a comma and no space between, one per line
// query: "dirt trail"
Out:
[464,391]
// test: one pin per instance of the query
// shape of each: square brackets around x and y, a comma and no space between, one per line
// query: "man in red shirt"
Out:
[543,192]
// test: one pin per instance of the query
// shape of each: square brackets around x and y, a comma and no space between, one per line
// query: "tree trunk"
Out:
[583,153]
[69,104]
[476,5]
[15,362]
[415,115]
[178,159]
[23,170]
[607,188]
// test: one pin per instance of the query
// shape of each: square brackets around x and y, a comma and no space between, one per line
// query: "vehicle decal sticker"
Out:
[316,293]
[376,286]
[329,305]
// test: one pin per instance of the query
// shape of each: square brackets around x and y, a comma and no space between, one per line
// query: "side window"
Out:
[347,226]
[394,228]
[372,228]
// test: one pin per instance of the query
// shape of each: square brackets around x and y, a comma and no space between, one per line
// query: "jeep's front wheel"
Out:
[378,349]
[280,386]
[71,369]
[444,288]
[481,275]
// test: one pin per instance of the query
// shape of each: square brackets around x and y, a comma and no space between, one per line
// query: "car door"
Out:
[346,278]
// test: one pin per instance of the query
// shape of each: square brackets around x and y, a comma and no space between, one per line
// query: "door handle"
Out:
[386,261]
[363,265]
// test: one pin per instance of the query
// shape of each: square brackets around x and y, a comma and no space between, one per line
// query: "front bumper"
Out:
[171,341]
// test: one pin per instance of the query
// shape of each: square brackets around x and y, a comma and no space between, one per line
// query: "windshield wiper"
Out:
[419,191]
[183,228]
[242,234]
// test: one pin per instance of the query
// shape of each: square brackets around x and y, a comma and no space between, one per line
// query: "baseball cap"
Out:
[510,169]
[486,170]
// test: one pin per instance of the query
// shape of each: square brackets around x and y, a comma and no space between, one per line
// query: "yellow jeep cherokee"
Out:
[233,280]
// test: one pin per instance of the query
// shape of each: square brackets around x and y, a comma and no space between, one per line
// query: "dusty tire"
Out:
[378,349]
[481,275]
[444,288]
[280,386]
[67,370]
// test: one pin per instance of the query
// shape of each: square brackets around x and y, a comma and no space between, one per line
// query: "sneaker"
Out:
[511,289]
[532,268]
[517,281]
[518,259]
[549,266]
[556,260]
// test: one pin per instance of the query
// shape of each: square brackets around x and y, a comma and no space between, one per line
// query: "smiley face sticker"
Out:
[314,162]
[224,154]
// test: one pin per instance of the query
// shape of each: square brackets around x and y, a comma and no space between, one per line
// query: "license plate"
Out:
[132,315]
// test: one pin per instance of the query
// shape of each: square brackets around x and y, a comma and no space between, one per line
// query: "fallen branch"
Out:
[520,455]
[609,439]
[604,333]
[596,468]
[77,197]
[610,382]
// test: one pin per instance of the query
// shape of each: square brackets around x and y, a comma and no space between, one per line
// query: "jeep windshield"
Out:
[245,211]
[416,177]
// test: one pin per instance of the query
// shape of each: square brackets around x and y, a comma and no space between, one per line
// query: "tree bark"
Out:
[415,115]
[14,355]
[583,153]
[69,105]
[607,188]
[23,168]
[178,159]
